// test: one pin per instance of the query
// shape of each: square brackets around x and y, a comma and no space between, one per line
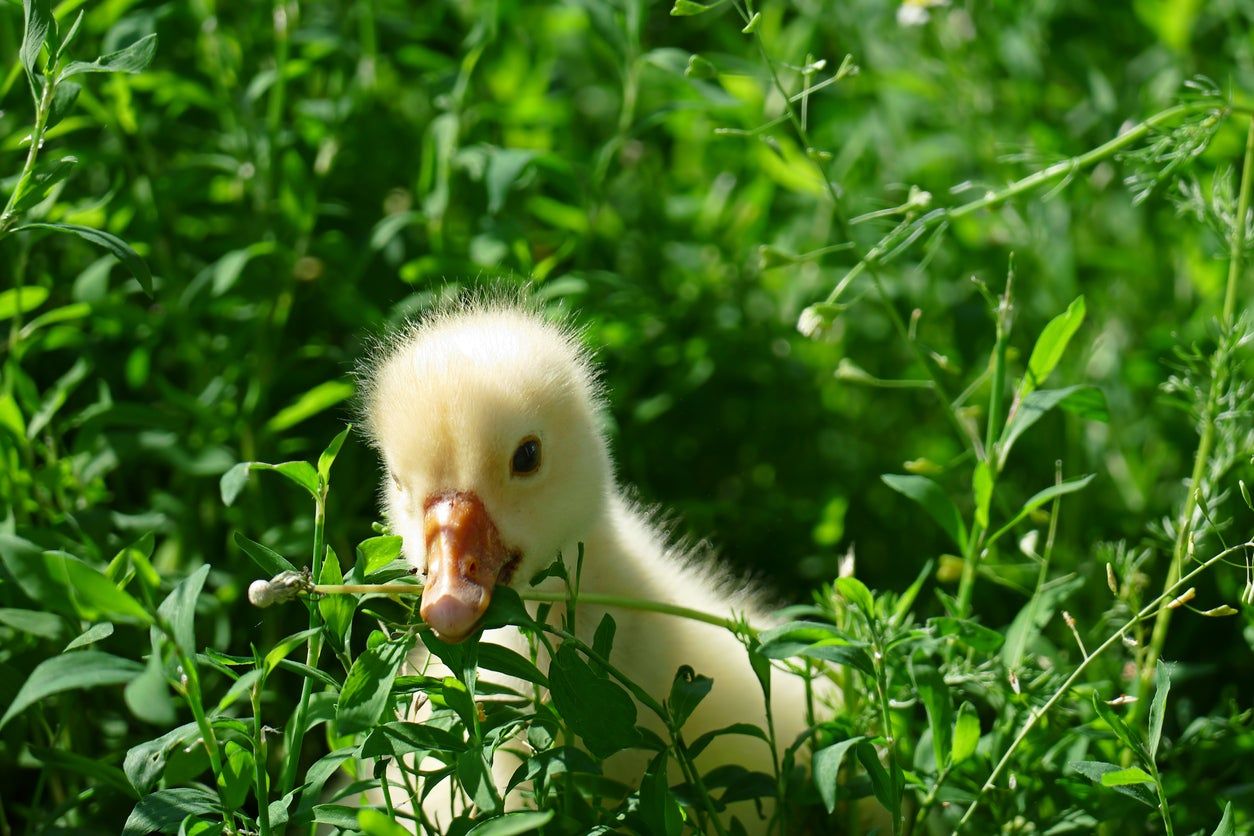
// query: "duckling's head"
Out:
[488,420]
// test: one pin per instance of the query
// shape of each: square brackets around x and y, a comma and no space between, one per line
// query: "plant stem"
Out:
[1210,414]
[296,730]
[261,783]
[1117,636]
[42,110]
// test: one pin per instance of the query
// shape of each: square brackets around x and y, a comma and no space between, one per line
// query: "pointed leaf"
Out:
[929,494]
[1096,770]
[1050,346]
[1162,685]
[938,703]
[111,243]
[368,685]
[68,672]
[333,449]
[270,561]
[38,24]
[1040,498]
[826,767]
[318,399]
[966,733]
[132,59]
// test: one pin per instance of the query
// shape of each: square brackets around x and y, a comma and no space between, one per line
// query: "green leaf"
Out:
[145,762]
[1086,401]
[968,632]
[1040,498]
[337,610]
[688,8]
[1050,346]
[815,641]
[966,733]
[46,175]
[495,657]
[688,689]
[377,553]
[38,24]
[364,696]
[93,595]
[929,494]
[63,99]
[237,774]
[1162,685]
[400,738]
[1126,777]
[982,487]
[855,592]
[749,730]
[111,243]
[164,810]
[379,823]
[1227,827]
[511,824]
[270,561]
[56,397]
[318,399]
[45,625]
[302,473]
[132,59]
[69,672]
[1096,770]
[148,695]
[934,693]
[598,710]
[503,169]
[178,610]
[1116,723]
[98,770]
[328,455]
[24,300]
[285,646]
[93,634]
[884,784]
[233,481]
[826,768]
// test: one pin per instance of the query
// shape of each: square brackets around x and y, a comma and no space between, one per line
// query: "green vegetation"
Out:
[963,287]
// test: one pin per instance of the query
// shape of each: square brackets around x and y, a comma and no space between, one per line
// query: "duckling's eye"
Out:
[526,460]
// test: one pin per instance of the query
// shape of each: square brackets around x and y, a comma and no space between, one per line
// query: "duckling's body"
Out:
[489,421]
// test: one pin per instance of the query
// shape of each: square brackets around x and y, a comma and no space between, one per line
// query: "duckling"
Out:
[489,420]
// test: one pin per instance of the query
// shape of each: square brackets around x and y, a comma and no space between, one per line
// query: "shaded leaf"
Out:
[111,243]
[929,494]
[826,768]
[69,672]
[164,810]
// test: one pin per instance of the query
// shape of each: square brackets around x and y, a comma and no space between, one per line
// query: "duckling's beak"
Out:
[465,557]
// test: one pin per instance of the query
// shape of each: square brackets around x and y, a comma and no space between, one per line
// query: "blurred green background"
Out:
[301,175]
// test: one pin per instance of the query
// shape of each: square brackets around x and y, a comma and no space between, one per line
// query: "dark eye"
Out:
[526,460]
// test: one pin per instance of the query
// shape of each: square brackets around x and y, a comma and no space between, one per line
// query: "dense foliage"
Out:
[1029,221]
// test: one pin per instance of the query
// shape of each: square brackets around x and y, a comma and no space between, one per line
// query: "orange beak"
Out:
[465,559]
